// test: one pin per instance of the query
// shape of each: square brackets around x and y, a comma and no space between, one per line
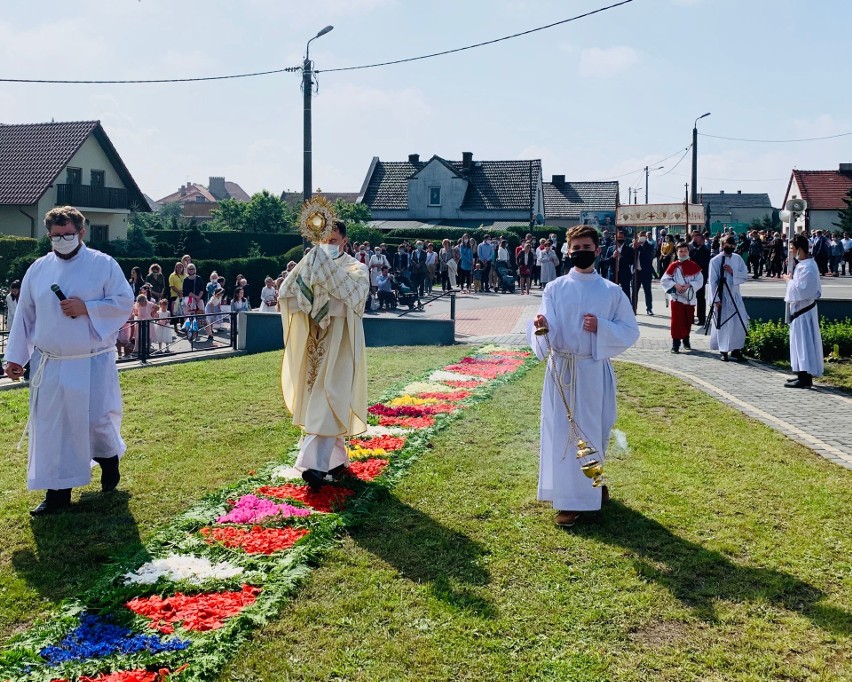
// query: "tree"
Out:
[193,242]
[845,215]
[138,245]
[267,213]
[229,216]
[352,213]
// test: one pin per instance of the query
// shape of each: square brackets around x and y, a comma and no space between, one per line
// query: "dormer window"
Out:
[434,196]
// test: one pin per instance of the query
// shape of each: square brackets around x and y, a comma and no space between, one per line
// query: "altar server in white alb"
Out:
[73,302]
[590,320]
[803,291]
[729,319]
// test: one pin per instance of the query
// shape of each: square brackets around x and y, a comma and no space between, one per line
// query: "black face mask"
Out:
[582,259]
[728,250]
[619,242]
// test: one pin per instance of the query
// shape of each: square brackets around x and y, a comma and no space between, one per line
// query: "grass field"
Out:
[724,555]
[839,375]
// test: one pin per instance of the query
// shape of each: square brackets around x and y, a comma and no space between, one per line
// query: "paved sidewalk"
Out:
[817,418]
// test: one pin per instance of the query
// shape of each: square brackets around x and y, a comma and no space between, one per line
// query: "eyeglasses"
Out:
[63,237]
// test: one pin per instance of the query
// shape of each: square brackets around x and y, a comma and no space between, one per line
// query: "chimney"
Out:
[414,159]
[559,180]
[217,187]
[739,191]
[721,191]
[467,160]
[183,190]
[845,168]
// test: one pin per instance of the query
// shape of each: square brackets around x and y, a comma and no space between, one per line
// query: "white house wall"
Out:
[453,189]
[15,223]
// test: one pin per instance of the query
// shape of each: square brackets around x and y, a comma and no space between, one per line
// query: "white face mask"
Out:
[65,247]
[642,240]
[333,250]
[683,257]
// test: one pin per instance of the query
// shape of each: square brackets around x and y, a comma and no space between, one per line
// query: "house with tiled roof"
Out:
[824,191]
[442,193]
[565,201]
[736,210]
[43,165]
[199,201]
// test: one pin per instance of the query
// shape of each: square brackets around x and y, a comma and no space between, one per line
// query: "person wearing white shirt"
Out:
[12,302]
[803,292]
[75,399]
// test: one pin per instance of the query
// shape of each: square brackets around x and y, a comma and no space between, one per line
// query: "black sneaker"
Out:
[110,475]
[314,479]
[687,345]
[55,501]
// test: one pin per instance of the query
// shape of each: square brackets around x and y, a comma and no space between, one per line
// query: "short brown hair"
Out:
[62,215]
[583,232]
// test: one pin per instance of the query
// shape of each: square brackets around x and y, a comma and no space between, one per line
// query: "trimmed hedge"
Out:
[770,341]
[224,244]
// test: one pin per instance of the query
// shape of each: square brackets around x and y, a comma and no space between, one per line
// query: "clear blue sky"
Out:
[593,99]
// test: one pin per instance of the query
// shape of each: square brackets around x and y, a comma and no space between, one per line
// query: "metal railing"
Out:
[93,197]
[143,340]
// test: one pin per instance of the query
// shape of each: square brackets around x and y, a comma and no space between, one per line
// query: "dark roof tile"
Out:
[569,199]
[493,185]
[32,155]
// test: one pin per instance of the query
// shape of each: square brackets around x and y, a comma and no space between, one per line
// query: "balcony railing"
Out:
[92,197]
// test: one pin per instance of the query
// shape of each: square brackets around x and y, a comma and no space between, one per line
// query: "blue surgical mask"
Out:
[333,250]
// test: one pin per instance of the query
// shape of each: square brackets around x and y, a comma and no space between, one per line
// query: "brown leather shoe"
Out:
[566,519]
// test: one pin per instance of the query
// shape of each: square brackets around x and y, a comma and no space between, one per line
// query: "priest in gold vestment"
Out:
[324,376]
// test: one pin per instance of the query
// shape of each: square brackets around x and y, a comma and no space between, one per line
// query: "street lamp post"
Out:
[307,88]
[695,157]
[646,179]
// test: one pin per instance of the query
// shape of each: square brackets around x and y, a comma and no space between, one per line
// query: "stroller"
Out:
[406,294]
[505,277]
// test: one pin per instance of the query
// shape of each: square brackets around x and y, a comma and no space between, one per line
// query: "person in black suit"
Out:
[699,253]
[603,264]
[645,269]
[619,263]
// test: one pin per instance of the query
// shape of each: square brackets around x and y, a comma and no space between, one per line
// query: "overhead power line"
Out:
[642,170]
[487,42]
[801,139]
[683,156]
[288,69]
[704,177]
[291,69]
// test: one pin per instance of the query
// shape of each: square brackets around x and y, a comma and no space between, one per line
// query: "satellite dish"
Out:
[796,205]
[539,219]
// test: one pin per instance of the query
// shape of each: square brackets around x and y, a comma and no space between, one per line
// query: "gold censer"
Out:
[591,466]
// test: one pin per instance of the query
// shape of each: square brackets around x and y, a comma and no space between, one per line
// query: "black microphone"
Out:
[56,290]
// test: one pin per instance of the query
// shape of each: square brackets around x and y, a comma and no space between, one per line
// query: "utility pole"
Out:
[307,93]
[646,179]
[695,157]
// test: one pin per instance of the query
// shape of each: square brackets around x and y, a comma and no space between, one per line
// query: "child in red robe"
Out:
[681,280]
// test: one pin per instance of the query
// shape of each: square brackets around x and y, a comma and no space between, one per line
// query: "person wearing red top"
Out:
[681,280]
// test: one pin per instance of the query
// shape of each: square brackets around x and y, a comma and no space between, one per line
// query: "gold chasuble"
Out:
[324,375]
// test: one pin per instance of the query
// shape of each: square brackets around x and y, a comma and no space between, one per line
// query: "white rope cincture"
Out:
[558,377]
[38,376]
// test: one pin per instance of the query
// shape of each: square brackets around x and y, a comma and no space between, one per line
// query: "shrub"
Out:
[12,248]
[294,254]
[770,341]
[837,334]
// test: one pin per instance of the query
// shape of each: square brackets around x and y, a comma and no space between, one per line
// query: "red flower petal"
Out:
[327,499]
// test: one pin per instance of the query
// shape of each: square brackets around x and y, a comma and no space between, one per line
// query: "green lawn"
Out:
[724,555]
[838,374]
[190,429]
